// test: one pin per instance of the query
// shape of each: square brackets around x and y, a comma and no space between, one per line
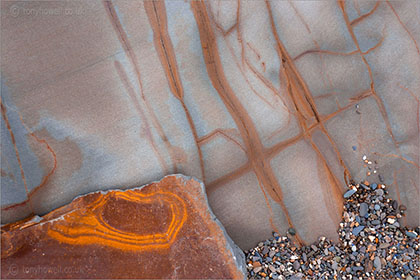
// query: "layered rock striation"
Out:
[162,230]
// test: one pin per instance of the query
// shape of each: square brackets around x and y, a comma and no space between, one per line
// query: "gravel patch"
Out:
[372,245]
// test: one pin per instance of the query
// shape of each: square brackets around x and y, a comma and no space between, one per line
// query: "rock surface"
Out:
[162,230]
[271,104]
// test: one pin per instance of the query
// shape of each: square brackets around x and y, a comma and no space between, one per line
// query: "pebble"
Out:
[357,268]
[349,193]
[292,231]
[257,269]
[379,192]
[377,263]
[384,245]
[271,254]
[357,230]
[411,234]
[369,266]
[363,209]
[375,222]
[364,186]
[372,245]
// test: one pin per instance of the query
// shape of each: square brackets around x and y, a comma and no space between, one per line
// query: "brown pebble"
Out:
[371,248]
[257,269]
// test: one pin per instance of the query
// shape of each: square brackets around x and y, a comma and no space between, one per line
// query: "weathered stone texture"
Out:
[272,104]
[162,230]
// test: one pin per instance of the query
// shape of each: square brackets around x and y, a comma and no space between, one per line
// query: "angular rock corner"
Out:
[162,230]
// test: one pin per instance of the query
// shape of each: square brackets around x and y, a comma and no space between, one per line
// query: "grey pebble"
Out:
[357,230]
[410,251]
[349,193]
[411,234]
[296,265]
[395,204]
[363,209]
[357,268]
[265,250]
[375,222]
[311,253]
[377,263]
[379,192]
[364,186]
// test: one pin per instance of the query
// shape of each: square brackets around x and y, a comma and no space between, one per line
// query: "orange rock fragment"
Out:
[161,230]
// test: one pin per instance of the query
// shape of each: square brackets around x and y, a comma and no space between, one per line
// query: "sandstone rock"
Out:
[162,230]
[272,104]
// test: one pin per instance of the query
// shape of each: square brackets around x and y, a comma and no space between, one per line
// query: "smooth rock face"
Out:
[162,230]
[272,104]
